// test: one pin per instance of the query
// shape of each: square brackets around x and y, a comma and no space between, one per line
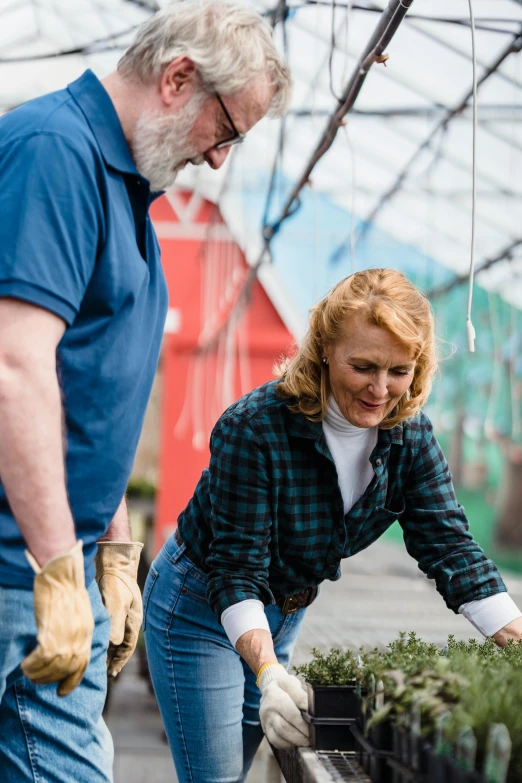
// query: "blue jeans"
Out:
[207,695]
[45,738]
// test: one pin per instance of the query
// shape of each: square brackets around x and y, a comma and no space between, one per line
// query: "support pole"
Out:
[388,25]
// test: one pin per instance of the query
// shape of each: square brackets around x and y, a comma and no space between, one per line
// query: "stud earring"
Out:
[325,360]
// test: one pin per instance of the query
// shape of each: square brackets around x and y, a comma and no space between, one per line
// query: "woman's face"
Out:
[369,370]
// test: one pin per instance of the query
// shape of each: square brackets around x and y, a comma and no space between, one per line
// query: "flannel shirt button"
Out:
[378,462]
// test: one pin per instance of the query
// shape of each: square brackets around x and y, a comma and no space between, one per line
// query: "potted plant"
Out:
[331,680]
[334,697]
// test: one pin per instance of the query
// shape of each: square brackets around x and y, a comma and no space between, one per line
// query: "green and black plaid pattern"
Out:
[267,515]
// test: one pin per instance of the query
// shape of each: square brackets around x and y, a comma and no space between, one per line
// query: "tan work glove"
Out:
[116,573]
[62,609]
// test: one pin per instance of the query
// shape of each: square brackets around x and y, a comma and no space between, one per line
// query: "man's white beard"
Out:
[161,146]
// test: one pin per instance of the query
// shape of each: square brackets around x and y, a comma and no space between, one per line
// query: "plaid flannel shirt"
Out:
[267,515]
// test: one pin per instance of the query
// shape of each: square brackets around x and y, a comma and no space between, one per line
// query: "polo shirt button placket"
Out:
[378,462]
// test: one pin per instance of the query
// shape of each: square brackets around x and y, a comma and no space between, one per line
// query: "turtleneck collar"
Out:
[336,421]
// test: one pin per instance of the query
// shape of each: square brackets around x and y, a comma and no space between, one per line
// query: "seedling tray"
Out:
[330,733]
[373,761]
[444,770]
[333,701]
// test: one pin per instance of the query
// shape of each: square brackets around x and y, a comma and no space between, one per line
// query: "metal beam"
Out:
[481,23]
[514,46]
[488,112]
[503,255]
[388,25]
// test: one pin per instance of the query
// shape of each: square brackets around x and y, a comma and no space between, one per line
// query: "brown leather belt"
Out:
[291,603]
[288,603]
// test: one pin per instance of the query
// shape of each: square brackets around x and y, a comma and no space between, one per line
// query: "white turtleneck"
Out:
[351,448]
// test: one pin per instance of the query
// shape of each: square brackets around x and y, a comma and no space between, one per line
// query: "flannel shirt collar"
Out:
[301,427]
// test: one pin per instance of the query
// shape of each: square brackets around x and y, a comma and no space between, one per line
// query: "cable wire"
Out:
[470,329]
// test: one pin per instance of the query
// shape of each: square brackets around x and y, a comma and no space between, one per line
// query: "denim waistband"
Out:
[176,554]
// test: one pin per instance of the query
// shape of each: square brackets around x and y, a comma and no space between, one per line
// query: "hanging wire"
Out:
[470,329]
[90,48]
[374,51]
[331,55]
[278,159]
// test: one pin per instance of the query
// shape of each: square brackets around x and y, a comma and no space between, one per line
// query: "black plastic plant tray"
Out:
[373,761]
[409,749]
[400,773]
[444,770]
[342,767]
[330,733]
[333,701]
[381,736]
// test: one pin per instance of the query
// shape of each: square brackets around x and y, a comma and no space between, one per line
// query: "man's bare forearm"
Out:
[119,529]
[256,648]
[32,455]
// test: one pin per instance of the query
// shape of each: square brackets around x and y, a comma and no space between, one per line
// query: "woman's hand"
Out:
[512,630]
[283,699]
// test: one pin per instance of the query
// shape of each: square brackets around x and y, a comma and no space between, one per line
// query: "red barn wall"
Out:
[184,448]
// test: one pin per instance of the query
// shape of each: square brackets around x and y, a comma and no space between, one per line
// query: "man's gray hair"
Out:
[230,44]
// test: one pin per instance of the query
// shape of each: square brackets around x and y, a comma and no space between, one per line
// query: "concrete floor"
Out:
[380,593]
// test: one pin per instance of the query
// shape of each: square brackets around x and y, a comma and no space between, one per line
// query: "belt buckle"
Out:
[287,605]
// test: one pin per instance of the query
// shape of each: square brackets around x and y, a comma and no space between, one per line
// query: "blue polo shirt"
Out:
[76,239]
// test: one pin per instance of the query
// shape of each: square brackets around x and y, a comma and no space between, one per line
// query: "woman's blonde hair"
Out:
[387,299]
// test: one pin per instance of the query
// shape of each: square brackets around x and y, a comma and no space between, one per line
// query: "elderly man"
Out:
[82,306]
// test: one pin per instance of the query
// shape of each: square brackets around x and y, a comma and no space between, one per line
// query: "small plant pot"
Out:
[373,761]
[439,768]
[456,775]
[333,701]
[381,736]
[363,713]
[399,773]
[409,761]
[401,745]
[330,733]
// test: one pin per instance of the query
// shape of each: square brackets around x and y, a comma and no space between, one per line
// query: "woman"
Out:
[303,472]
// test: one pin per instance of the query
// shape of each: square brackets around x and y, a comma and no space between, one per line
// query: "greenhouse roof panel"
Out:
[403,161]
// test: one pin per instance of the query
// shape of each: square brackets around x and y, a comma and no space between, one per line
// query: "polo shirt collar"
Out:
[94,101]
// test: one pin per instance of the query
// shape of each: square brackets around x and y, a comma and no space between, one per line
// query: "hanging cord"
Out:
[332,51]
[348,21]
[470,329]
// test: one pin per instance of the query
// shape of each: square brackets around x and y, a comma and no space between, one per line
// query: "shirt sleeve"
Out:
[240,518]
[491,614]
[436,530]
[51,222]
[245,616]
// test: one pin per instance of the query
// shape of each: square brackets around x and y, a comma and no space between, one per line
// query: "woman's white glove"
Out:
[282,699]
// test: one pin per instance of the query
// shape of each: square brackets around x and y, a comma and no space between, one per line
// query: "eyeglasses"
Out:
[237,138]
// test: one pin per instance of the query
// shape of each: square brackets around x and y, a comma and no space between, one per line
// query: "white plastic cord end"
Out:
[470,331]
